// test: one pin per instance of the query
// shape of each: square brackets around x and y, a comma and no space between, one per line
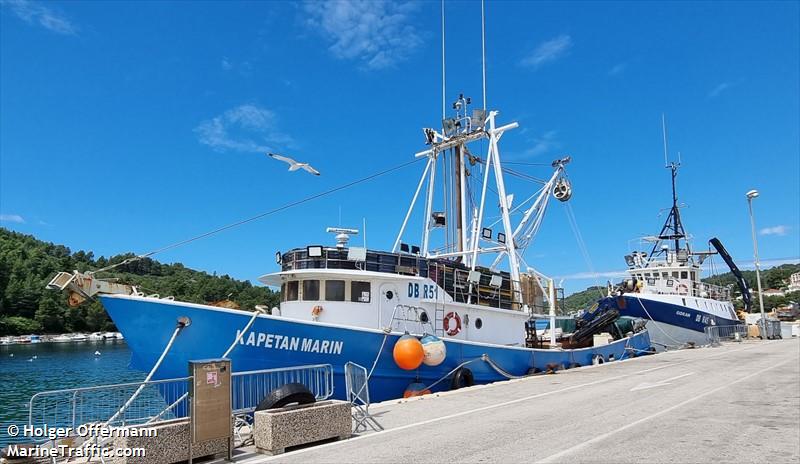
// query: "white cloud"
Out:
[12,218]
[617,69]
[775,230]
[548,51]
[34,13]
[593,275]
[378,34]
[545,143]
[719,89]
[246,128]
[226,65]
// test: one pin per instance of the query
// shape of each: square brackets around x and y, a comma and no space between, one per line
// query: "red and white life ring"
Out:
[683,289]
[456,327]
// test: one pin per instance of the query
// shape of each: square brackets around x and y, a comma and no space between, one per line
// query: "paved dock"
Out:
[739,402]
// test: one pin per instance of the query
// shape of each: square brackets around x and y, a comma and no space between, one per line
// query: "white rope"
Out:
[679,344]
[149,376]
[256,313]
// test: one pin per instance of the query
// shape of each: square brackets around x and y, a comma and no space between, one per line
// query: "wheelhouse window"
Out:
[360,291]
[334,290]
[290,291]
[310,290]
[684,275]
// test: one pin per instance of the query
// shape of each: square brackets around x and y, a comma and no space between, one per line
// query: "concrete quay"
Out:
[739,402]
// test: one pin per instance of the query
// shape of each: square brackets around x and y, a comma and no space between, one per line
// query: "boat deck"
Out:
[735,403]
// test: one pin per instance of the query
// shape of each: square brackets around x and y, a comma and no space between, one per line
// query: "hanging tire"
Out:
[462,378]
[291,393]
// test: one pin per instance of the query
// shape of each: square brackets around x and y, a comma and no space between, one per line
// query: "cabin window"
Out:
[675,274]
[694,275]
[334,290]
[664,275]
[360,291]
[478,323]
[311,290]
[291,290]
[684,275]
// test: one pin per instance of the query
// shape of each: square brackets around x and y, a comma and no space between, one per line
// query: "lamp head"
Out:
[752,194]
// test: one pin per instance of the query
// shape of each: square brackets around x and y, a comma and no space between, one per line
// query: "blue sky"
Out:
[129,126]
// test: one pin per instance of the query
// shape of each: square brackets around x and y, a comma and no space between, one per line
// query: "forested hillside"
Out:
[28,264]
[776,277]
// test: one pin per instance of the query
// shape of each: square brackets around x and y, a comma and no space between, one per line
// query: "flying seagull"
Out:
[294,165]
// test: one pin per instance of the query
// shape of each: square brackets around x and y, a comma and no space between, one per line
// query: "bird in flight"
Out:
[294,165]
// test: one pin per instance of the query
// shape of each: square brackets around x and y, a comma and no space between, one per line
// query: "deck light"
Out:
[486,233]
[501,237]
[278,258]
[314,251]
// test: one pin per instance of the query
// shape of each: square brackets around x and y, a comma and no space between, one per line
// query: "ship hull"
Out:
[670,323]
[274,342]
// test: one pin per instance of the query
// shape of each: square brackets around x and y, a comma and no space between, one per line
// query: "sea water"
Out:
[31,368]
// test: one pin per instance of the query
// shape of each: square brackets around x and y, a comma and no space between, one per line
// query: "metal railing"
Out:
[250,387]
[717,333]
[162,400]
[77,406]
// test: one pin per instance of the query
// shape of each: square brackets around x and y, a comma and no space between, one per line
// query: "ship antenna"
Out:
[664,135]
[483,52]
[444,106]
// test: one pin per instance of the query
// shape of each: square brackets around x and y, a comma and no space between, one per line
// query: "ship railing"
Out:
[717,333]
[250,387]
[162,400]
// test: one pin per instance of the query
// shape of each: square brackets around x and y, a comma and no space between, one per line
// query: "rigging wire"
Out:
[573,223]
[264,214]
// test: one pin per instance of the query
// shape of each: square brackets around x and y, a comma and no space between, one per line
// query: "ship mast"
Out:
[673,227]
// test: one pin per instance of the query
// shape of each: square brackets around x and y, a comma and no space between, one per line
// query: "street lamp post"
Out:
[750,195]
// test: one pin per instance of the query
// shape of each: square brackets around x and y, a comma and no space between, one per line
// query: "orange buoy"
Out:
[408,353]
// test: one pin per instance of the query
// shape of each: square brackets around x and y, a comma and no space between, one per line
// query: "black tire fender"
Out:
[290,393]
[462,377]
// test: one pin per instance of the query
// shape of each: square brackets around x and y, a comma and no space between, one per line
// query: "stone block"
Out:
[277,429]
[170,445]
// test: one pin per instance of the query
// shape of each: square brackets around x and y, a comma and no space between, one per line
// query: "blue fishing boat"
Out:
[665,289]
[461,292]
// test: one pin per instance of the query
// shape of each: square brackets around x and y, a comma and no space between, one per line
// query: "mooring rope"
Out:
[261,215]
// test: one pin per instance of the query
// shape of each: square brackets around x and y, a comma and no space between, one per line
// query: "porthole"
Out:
[389,295]
[478,323]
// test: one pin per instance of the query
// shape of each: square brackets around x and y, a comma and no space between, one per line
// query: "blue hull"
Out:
[684,317]
[273,342]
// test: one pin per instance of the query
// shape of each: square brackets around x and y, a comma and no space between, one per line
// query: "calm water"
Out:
[56,366]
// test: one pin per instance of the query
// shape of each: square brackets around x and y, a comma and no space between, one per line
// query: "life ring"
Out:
[456,328]
[315,312]
[682,289]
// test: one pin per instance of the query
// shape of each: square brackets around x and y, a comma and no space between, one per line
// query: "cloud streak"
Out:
[541,145]
[15,218]
[246,128]
[716,91]
[775,230]
[35,13]
[378,34]
[617,69]
[548,51]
